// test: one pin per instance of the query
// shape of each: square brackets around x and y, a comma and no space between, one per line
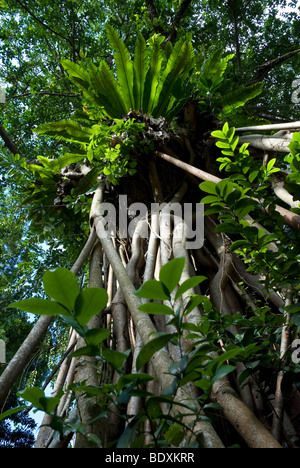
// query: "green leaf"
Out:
[152,77]
[150,348]
[156,309]
[209,187]
[39,306]
[178,66]
[89,350]
[171,272]
[37,397]
[124,66]
[67,130]
[96,335]
[222,371]
[153,289]
[210,199]
[175,435]
[189,284]
[140,71]
[114,358]
[88,303]
[62,286]
[203,384]
[112,92]
[8,413]
[218,134]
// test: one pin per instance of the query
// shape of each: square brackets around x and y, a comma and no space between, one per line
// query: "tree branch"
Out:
[43,93]
[171,35]
[266,67]
[9,143]
[236,34]
[289,217]
[178,17]
[151,9]
[44,24]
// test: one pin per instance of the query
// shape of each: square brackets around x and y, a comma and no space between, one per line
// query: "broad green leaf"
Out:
[88,303]
[171,272]
[89,350]
[218,134]
[128,436]
[68,130]
[222,371]
[153,289]
[140,378]
[152,77]
[189,284]
[150,348]
[114,358]
[7,413]
[112,91]
[203,384]
[209,187]
[210,199]
[175,435]
[239,97]
[39,306]
[62,286]
[124,66]
[107,90]
[36,396]
[140,71]
[96,335]
[75,70]
[177,68]
[156,309]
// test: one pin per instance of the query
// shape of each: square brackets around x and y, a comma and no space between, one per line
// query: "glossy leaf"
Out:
[171,272]
[153,289]
[39,306]
[88,303]
[156,309]
[189,284]
[151,348]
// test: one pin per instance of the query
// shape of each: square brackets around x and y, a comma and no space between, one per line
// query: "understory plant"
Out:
[203,362]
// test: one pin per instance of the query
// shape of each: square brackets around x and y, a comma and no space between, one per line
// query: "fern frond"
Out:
[67,130]
[151,82]
[77,74]
[65,160]
[235,99]
[124,66]
[110,92]
[177,69]
[139,71]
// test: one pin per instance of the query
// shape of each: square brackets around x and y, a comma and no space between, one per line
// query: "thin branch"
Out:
[178,17]
[44,24]
[266,67]
[43,93]
[153,15]
[236,33]
[151,9]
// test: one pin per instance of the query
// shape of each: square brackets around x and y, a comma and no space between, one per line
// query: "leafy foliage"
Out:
[212,88]
[248,190]
[203,363]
